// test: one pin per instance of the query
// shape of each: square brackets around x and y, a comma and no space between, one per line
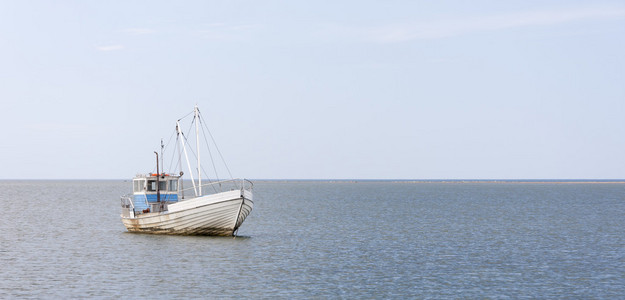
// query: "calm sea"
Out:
[316,239]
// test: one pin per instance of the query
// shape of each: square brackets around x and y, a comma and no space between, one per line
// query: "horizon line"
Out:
[468,180]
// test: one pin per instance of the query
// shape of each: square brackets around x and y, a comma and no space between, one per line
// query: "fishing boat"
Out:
[160,205]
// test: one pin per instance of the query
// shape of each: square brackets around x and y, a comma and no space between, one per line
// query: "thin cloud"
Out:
[450,28]
[139,31]
[110,48]
[223,31]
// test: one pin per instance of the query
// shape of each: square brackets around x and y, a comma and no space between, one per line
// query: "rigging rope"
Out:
[185,116]
[190,149]
[209,151]
[216,147]
[186,144]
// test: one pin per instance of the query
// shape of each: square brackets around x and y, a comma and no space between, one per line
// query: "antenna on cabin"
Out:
[162,156]
[158,185]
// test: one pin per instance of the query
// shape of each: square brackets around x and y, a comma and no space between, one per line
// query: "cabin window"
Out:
[138,185]
[173,185]
[162,185]
[152,185]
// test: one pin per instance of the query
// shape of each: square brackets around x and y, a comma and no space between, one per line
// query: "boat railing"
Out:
[128,207]
[215,187]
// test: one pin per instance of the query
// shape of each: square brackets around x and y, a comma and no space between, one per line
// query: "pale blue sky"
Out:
[317,89]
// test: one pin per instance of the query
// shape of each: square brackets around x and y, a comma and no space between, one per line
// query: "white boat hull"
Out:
[218,214]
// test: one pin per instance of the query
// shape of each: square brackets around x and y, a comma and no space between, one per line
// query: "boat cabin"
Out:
[153,192]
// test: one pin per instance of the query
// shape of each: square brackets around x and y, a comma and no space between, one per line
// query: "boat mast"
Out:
[181,138]
[197,147]
[158,175]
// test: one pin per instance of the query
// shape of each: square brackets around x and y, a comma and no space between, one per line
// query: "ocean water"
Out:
[321,239]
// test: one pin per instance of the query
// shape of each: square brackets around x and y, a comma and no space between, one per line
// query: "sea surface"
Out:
[324,239]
